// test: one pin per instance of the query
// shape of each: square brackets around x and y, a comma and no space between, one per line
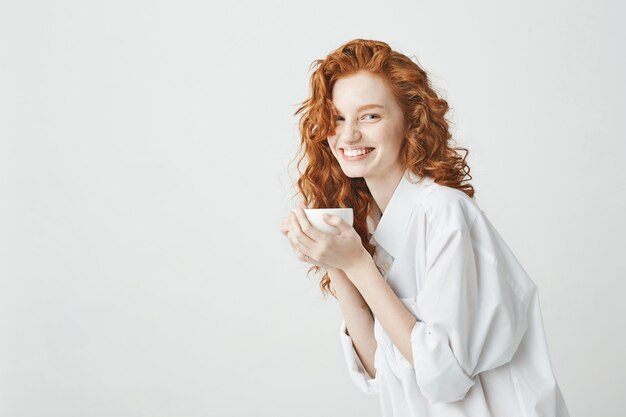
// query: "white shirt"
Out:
[479,347]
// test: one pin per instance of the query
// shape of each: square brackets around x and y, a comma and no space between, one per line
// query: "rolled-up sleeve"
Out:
[355,367]
[470,318]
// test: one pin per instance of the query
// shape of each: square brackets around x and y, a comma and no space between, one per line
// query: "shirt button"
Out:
[386,265]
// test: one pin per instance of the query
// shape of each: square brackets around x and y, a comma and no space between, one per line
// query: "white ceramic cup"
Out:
[315,217]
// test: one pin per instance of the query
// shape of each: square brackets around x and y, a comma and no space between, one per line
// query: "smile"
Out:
[356,155]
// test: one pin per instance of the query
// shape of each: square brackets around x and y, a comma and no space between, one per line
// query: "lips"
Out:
[357,157]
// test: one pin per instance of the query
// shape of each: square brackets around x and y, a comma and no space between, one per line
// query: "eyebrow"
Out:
[369,106]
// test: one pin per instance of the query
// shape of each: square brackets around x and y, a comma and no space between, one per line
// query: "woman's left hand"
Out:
[339,251]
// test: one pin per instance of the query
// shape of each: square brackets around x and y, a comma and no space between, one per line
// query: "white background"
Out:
[147,158]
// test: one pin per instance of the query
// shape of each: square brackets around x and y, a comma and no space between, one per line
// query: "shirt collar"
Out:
[392,227]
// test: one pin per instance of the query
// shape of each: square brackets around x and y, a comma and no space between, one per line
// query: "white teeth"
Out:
[356,152]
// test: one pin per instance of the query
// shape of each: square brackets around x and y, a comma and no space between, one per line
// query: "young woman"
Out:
[440,319]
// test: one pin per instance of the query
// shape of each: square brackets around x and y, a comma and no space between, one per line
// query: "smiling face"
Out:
[371,123]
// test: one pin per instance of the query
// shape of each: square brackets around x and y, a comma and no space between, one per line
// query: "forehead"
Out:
[361,88]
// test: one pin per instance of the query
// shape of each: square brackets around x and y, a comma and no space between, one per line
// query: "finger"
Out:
[296,245]
[304,257]
[284,227]
[305,254]
[300,236]
[293,241]
[307,227]
[338,222]
[299,255]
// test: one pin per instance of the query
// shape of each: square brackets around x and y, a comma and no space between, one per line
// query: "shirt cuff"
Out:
[437,371]
[355,367]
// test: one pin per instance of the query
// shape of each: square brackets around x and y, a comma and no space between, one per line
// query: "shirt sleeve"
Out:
[470,318]
[355,367]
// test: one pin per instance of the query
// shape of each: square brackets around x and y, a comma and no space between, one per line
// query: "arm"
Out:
[394,317]
[471,315]
[358,319]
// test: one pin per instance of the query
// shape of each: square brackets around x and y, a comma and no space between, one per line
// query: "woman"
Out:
[440,319]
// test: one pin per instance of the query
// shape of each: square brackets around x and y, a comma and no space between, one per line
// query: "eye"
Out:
[339,118]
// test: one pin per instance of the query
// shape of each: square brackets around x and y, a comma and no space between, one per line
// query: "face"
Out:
[369,120]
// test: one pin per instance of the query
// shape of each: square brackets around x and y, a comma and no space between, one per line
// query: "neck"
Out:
[383,187]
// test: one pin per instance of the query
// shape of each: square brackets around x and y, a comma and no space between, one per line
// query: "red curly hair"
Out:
[426,150]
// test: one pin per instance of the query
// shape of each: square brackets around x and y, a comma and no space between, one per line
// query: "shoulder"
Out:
[448,208]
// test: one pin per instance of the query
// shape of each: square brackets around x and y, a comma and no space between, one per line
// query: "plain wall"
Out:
[147,159]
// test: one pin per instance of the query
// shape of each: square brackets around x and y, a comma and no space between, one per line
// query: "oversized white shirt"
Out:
[479,347]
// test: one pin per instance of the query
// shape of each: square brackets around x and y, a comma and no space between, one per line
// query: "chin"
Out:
[353,172]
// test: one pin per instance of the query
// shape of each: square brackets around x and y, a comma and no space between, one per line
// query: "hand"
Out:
[286,230]
[330,251]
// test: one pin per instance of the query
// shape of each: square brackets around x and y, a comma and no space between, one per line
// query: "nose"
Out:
[350,133]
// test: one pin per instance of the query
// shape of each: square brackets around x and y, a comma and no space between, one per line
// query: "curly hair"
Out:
[426,150]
